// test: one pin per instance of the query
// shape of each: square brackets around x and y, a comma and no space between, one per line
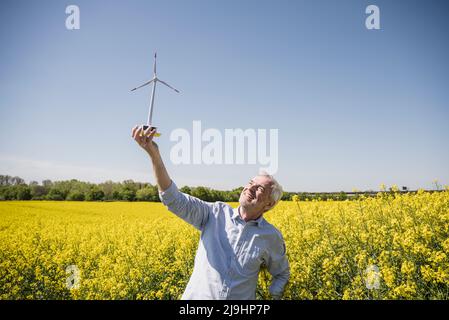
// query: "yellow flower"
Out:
[408,268]
[388,276]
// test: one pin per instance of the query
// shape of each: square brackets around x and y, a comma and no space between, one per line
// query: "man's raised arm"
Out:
[145,140]
[190,209]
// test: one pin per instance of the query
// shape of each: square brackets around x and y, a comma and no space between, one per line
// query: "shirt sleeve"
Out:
[190,209]
[278,267]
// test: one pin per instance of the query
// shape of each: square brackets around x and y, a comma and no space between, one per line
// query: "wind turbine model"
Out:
[154,81]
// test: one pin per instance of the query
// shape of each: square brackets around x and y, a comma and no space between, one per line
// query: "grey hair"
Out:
[276,188]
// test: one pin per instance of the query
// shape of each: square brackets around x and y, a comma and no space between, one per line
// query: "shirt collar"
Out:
[236,215]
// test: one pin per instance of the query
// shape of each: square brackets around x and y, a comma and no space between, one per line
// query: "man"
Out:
[234,243]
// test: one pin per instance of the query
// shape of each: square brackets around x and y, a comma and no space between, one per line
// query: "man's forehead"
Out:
[263,180]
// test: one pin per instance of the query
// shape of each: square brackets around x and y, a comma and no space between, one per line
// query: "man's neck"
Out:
[245,214]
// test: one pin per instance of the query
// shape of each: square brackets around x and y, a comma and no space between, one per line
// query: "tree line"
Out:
[15,188]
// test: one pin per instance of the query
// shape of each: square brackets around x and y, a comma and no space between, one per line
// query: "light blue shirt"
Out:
[231,251]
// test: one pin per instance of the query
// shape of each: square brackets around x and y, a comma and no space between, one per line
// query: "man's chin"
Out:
[245,203]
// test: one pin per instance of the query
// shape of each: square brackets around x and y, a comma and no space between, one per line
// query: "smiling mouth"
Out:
[250,196]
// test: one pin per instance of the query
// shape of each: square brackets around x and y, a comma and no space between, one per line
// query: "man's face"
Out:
[256,195]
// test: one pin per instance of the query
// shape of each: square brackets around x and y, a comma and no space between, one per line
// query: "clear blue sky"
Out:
[354,107]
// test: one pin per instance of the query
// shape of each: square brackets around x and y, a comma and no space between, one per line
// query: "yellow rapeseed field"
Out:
[393,246]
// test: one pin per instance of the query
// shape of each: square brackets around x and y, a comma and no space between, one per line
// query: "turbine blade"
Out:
[154,65]
[146,83]
[168,85]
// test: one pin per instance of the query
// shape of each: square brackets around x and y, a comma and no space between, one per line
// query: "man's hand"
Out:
[145,139]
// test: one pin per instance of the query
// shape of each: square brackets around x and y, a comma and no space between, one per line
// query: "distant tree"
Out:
[127,195]
[342,196]
[7,193]
[143,194]
[287,196]
[5,180]
[149,193]
[108,189]
[55,194]
[234,194]
[17,181]
[219,195]
[202,193]
[94,194]
[186,189]
[225,196]
[15,192]
[23,192]
[155,193]
[47,183]
[75,195]
[116,195]
[130,184]
[127,191]
[59,189]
